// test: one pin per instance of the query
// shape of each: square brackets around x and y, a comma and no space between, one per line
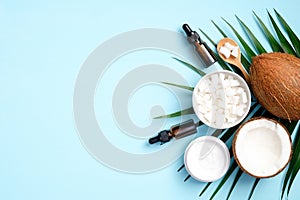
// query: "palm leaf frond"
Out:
[253,188]
[287,48]
[192,67]
[293,160]
[295,171]
[245,62]
[237,177]
[187,111]
[179,86]
[271,39]
[293,37]
[225,178]
[205,188]
[260,49]
[219,29]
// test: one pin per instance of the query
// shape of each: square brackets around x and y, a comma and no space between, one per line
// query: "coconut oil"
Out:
[207,158]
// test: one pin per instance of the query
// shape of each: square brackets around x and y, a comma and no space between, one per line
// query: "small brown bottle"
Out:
[207,55]
[177,131]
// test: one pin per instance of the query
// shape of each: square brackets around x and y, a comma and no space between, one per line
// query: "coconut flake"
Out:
[235,52]
[225,51]
[229,46]
[224,101]
[228,49]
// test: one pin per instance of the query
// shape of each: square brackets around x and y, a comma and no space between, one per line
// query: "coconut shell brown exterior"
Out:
[275,82]
[237,158]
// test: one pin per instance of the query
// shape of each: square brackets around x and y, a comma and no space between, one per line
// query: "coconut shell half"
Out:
[275,82]
[262,147]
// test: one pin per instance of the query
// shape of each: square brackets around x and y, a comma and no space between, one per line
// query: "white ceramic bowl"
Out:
[223,124]
[207,159]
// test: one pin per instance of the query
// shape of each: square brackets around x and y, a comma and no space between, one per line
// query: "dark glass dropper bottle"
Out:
[207,55]
[177,131]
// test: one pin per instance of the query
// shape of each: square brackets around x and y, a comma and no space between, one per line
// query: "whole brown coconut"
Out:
[275,82]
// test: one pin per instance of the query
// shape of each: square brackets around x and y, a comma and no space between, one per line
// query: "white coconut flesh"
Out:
[262,147]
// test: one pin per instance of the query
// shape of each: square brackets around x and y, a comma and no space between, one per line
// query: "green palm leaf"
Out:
[293,160]
[245,62]
[225,178]
[179,86]
[237,177]
[293,37]
[187,111]
[287,48]
[219,29]
[205,188]
[260,49]
[296,167]
[192,67]
[253,188]
[271,39]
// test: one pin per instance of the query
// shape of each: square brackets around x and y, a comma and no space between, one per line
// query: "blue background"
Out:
[42,47]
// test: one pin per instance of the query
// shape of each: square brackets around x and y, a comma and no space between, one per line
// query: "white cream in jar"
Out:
[207,158]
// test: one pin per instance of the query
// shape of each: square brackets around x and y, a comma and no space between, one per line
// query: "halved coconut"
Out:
[262,147]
